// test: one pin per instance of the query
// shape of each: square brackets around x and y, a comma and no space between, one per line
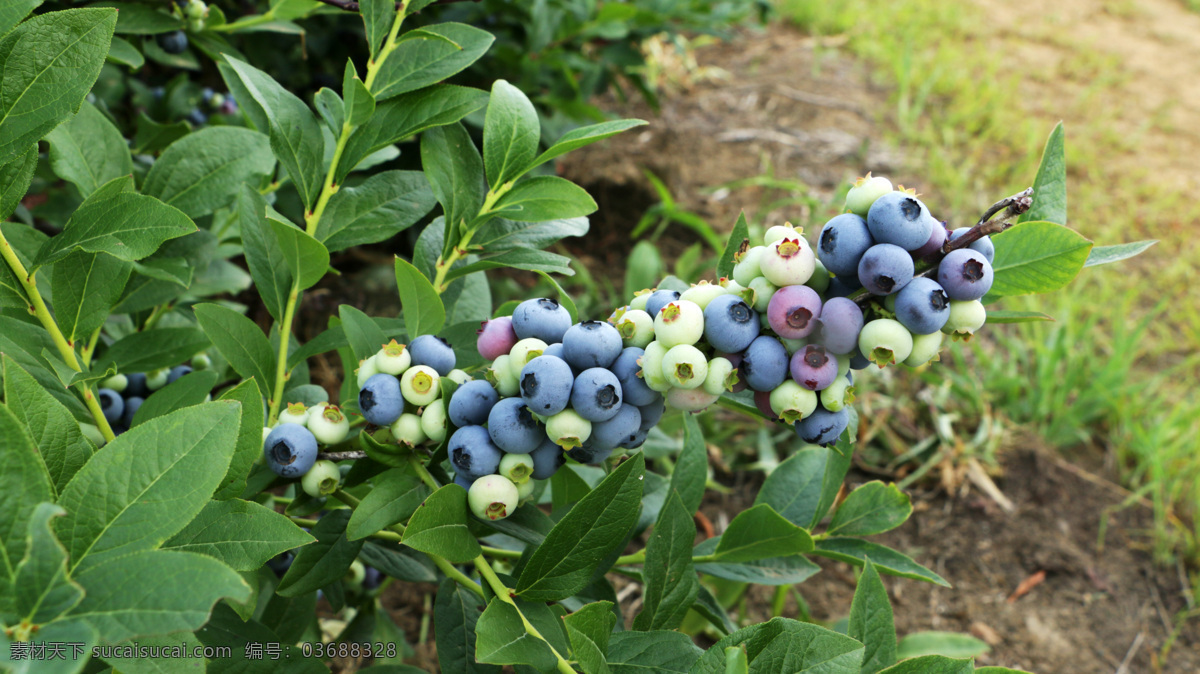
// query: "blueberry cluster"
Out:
[121,395]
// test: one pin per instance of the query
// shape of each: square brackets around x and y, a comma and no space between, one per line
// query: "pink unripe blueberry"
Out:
[496,337]
[813,368]
[793,311]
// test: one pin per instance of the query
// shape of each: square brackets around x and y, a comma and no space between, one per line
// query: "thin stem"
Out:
[640,558]
[89,349]
[346,498]
[500,553]
[281,371]
[381,535]
[422,472]
[460,577]
[504,594]
[330,188]
[342,456]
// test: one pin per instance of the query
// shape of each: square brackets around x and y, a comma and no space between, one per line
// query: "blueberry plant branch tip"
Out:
[351,455]
[458,576]
[1015,205]
[505,594]
[352,6]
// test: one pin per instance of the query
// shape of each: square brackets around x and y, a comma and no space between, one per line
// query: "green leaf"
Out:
[456,611]
[510,134]
[378,16]
[136,19]
[51,425]
[331,108]
[381,207]
[439,526]
[855,551]
[62,631]
[793,489]
[119,222]
[203,171]
[42,590]
[517,258]
[770,571]
[999,670]
[241,342]
[565,562]
[422,307]
[949,644]
[932,664]
[711,610]
[50,64]
[11,13]
[153,137]
[399,562]
[499,234]
[786,645]
[123,53]
[408,115]
[175,592]
[670,580]
[996,316]
[146,485]
[25,344]
[759,533]
[323,562]
[15,177]
[88,151]
[1109,254]
[364,336]
[241,534]
[182,660]
[428,56]
[455,172]
[1037,257]
[872,622]
[691,468]
[394,497]
[736,661]
[545,198]
[85,288]
[153,349]
[227,629]
[658,651]
[188,390]
[306,258]
[1050,186]
[586,135]
[871,509]
[295,136]
[740,233]
[249,440]
[837,464]
[264,257]
[563,298]
[501,638]
[526,523]
[359,103]
[589,630]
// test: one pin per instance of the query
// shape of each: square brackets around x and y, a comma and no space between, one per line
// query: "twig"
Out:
[1012,207]
[352,6]
[341,456]
[1137,643]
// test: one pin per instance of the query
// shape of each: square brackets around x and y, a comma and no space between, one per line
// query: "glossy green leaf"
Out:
[760,533]
[517,258]
[123,53]
[24,483]
[147,484]
[241,342]
[872,622]
[422,307]
[25,344]
[306,258]
[50,424]
[264,256]
[793,489]
[151,136]
[249,440]
[204,170]
[932,664]
[670,580]
[769,571]
[86,286]
[589,630]
[394,497]
[378,16]
[242,534]
[455,172]
[359,102]
[837,464]
[50,64]
[501,638]
[227,629]
[499,234]
[870,509]
[1109,254]
[739,234]
[585,135]
[856,551]
[511,131]
[1050,186]
[782,644]
[15,177]
[381,207]
[456,611]
[153,349]
[1037,257]
[428,56]
[190,389]
[42,589]
[364,336]
[399,562]
[564,563]
[11,13]
[439,526]
[331,109]
[137,19]
[949,644]
[88,151]
[545,198]
[658,651]
[318,564]
[707,606]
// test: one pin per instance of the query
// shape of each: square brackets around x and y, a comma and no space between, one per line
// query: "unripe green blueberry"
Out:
[493,497]
[157,379]
[734,288]
[458,376]
[419,385]
[92,433]
[690,400]
[793,345]
[393,359]
[567,429]
[702,293]
[525,490]
[747,268]
[837,395]
[638,302]
[294,413]
[763,291]
[366,370]
[820,278]
[328,425]
[680,322]
[720,377]
[885,340]
[526,350]
[652,367]
[407,430]
[685,366]
[196,9]
[925,348]
[117,382]
[501,376]
[516,467]
[843,367]
[322,479]
[636,328]
[433,420]
[965,318]
[266,432]
[792,402]
[864,193]
[780,232]
[788,262]
[355,575]
[201,361]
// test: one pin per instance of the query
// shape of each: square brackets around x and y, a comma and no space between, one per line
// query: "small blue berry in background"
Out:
[659,299]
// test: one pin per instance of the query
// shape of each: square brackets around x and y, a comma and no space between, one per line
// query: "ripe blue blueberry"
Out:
[546,384]
[177,372]
[472,452]
[823,427]
[901,219]
[290,450]
[136,385]
[659,299]
[813,368]
[111,403]
[634,390]
[496,337]
[843,241]
[651,414]
[636,440]
[547,459]
[380,401]
[730,324]
[463,480]
[965,274]
[434,352]
[175,42]
[922,306]
[596,394]
[622,427]
[591,344]
[793,311]
[132,405]
[764,364]
[471,403]
[513,428]
[543,318]
[885,268]
[197,117]
[983,245]
[590,454]
[841,321]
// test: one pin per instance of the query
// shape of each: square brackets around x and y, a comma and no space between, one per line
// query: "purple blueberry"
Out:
[290,450]
[543,318]
[764,364]
[280,563]
[843,241]
[132,405]
[591,344]
[473,453]
[513,428]
[547,459]
[793,311]
[111,403]
[934,244]
[659,299]
[965,274]
[841,321]
[983,245]
[730,324]
[596,394]
[885,268]
[634,390]
[901,219]
[372,579]
[471,403]
[621,428]
[496,337]
[546,384]
[922,306]
[380,400]
[432,352]
[823,427]
[813,368]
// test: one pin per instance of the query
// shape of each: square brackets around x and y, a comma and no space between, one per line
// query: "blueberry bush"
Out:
[171,477]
